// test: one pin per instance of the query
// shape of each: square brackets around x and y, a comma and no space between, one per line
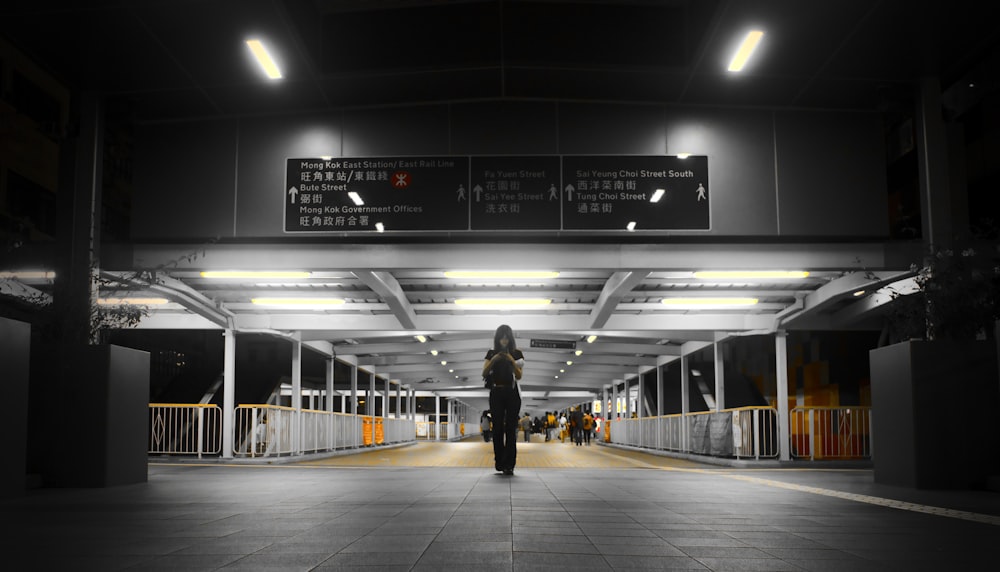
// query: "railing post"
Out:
[756,434]
[201,430]
[812,435]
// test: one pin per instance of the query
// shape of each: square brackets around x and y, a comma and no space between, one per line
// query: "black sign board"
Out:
[554,344]
[610,192]
[515,193]
[374,194]
[496,193]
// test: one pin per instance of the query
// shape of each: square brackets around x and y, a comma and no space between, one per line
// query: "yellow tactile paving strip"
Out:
[536,454]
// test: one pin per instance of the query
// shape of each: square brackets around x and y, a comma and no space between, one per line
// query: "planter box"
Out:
[934,414]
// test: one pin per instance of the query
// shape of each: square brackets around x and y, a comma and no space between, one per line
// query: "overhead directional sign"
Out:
[554,344]
[515,193]
[377,194]
[496,193]
[619,192]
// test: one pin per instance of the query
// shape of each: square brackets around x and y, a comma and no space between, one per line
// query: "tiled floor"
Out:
[642,517]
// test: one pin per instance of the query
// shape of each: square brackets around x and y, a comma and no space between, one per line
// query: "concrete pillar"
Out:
[437,417]
[385,400]
[720,377]
[399,401]
[781,369]
[659,407]
[685,404]
[228,392]
[329,385]
[297,395]
[370,404]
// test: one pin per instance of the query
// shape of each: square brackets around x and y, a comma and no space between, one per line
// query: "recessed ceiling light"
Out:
[859,293]
[264,59]
[578,352]
[591,338]
[420,338]
[746,49]
[630,226]
[683,155]
[434,352]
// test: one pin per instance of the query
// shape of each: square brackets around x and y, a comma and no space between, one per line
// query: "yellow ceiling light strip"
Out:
[502,302]
[707,302]
[746,49]
[297,302]
[28,274]
[750,274]
[501,274]
[264,59]
[131,301]
[256,274]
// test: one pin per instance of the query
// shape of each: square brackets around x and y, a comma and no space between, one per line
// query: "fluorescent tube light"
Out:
[657,195]
[356,198]
[264,274]
[434,352]
[707,302]
[502,302]
[297,302]
[738,274]
[443,362]
[683,155]
[745,50]
[264,59]
[28,274]
[502,274]
[591,338]
[421,338]
[131,301]
[859,293]
[578,352]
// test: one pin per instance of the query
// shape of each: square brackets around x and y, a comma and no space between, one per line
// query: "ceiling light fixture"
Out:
[420,338]
[657,195]
[707,302]
[502,302]
[356,198]
[131,301]
[501,274]
[380,227]
[859,293]
[28,275]
[591,338]
[683,155]
[434,352]
[746,49]
[264,59]
[297,302]
[578,352]
[630,226]
[740,274]
[263,274]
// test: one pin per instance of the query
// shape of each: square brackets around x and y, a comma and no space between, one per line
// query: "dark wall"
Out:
[15,350]
[772,173]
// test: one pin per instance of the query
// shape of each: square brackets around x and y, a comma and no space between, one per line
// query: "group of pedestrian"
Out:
[579,427]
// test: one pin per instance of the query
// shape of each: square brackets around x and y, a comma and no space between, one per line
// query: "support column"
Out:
[228,392]
[614,400]
[437,417]
[720,377]
[640,388]
[297,395]
[399,401]
[370,404]
[385,400]
[685,404]
[356,423]
[781,369]
[659,406]
[328,403]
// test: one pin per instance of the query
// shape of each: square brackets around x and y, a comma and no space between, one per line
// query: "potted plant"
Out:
[936,389]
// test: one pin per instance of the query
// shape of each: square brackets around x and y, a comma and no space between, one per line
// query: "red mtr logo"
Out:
[400,179]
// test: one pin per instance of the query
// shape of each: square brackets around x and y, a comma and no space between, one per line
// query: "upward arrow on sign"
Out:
[292,192]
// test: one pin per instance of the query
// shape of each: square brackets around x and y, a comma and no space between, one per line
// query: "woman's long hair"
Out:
[504,330]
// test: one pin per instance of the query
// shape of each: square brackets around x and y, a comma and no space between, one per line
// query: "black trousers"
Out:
[505,404]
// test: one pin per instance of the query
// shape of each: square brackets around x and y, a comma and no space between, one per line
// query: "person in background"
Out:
[502,368]
[576,425]
[588,427]
[550,424]
[526,427]
[562,427]
[486,425]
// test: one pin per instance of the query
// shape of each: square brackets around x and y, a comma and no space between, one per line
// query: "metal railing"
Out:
[831,432]
[752,432]
[185,429]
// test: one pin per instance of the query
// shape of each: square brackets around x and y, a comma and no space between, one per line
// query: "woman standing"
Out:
[501,370]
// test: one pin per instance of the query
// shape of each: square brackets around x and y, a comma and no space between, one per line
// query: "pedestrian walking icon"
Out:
[553,193]
[701,193]
[461,192]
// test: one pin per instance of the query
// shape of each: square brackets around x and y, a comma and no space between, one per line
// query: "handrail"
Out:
[830,432]
[185,429]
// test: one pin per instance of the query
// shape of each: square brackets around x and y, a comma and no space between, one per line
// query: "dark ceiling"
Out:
[175,59]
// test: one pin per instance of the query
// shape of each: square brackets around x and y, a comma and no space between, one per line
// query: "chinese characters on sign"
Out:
[492,193]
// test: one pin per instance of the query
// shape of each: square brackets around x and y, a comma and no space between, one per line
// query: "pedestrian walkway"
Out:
[647,513]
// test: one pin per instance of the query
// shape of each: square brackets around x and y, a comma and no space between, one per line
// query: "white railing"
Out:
[743,432]
[398,430]
[752,432]
[831,432]
[185,429]
[263,430]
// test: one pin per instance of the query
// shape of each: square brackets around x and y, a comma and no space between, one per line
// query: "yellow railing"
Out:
[831,432]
